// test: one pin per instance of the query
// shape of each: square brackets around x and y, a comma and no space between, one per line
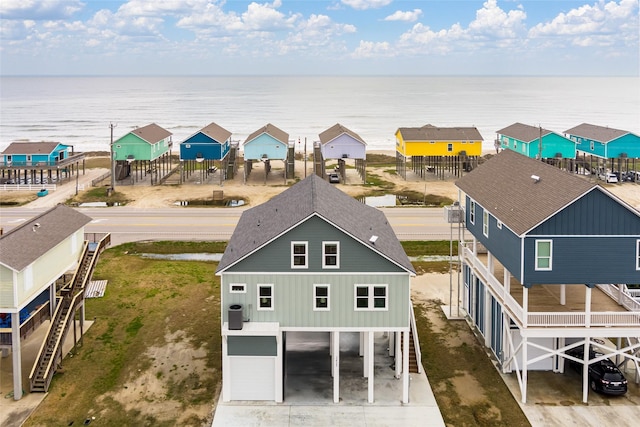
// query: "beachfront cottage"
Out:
[438,150]
[34,258]
[266,144]
[207,147]
[341,144]
[614,149]
[536,142]
[145,151]
[312,260]
[39,163]
[547,266]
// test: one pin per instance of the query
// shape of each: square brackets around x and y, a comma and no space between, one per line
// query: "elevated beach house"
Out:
[34,258]
[536,142]
[39,162]
[615,147]
[208,146]
[143,151]
[341,144]
[266,144]
[547,265]
[310,260]
[437,149]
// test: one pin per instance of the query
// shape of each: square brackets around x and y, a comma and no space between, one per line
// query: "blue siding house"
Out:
[605,142]
[267,143]
[209,143]
[311,260]
[36,153]
[536,142]
[39,162]
[547,266]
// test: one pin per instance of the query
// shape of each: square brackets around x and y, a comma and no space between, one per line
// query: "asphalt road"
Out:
[188,223]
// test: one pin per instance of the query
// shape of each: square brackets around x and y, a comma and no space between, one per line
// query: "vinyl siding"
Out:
[354,255]
[293,300]
[588,260]
[131,144]
[344,145]
[201,143]
[265,144]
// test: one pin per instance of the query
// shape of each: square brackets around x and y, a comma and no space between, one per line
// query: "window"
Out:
[637,254]
[299,254]
[237,288]
[265,297]
[543,254]
[370,297]
[330,255]
[449,147]
[321,297]
[591,146]
[485,223]
[472,212]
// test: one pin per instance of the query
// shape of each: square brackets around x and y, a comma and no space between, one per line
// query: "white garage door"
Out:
[252,378]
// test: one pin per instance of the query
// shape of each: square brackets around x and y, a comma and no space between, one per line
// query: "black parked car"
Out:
[604,375]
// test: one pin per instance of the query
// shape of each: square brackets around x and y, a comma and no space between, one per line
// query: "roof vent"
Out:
[373,239]
[536,178]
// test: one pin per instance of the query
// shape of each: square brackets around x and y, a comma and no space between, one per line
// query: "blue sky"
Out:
[344,37]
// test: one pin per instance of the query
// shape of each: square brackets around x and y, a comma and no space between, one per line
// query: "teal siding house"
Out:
[36,153]
[210,143]
[310,260]
[605,142]
[141,152]
[547,267]
[267,143]
[39,162]
[536,142]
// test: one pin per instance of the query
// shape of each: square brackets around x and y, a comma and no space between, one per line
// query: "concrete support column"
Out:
[587,308]
[525,366]
[563,294]
[226,366]
[392,344]
[399,352]
[16,353]
[405,367]
[335,366]
[361,347]
[371,358]
[278,370]
[367,355]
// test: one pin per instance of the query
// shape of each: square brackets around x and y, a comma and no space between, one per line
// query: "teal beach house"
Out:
[536,142]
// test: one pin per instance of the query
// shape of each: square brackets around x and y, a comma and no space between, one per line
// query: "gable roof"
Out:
[26,243]
[524,133]
[215,132]
[335,131]
[313,196]
[596,133]
[151,133]
[30,148]
[504,186]
[434,133]
[271,130]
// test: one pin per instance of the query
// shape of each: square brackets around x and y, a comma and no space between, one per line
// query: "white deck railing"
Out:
[27,187]
[552,319]
[624,297]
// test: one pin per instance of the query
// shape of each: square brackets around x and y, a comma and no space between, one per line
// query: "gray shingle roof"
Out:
[270,129]
[524,133]
[434,133]
[504,185]
[152,133]
[26,243]
[335,131]
[313,196]
[596,133]
[30,148]
[217,133]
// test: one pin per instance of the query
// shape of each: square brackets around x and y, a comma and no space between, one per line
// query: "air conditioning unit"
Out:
[235,317]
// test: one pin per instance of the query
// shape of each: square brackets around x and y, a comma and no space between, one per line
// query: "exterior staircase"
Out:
[413,359]
[415,355]
[70,298]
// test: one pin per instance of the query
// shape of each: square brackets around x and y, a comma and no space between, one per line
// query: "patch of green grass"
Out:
[98,194]
[374,180]
[428,247]
[173,247]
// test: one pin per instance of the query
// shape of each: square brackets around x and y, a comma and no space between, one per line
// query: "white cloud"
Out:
[366,4]
[39,9]
[603,23]
[408,16]
[492,21]
[370,49]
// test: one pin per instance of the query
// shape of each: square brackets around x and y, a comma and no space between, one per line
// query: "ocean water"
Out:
[78,110]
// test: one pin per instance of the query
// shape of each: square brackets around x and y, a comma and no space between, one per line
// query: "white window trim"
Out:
[550,255]
[485,223]
[472,212]
[306,254]
[370,297]
[264,285]
[315,297]
[232,291]
[324,255]
[638,254]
